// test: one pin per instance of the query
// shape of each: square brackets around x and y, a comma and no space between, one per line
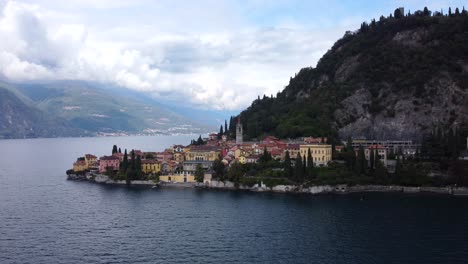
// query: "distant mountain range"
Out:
[77,108]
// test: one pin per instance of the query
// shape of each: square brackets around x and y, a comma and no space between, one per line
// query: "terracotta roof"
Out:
[293,146]
[109,158]
[150,162]
[376,147]
[204,148]
[90,156]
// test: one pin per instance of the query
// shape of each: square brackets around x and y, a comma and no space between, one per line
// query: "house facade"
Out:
[321,153]
[108,161]
[379,150]
[150,166]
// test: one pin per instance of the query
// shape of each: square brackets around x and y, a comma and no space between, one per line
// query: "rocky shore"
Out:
[323,189]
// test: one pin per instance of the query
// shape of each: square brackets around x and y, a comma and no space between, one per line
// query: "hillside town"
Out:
[217,157]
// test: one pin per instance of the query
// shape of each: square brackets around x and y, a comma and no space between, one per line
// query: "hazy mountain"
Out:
[18,119]
[395,78]
[82,108]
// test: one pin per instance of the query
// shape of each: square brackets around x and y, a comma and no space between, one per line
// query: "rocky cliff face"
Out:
[391,79]
[403,115]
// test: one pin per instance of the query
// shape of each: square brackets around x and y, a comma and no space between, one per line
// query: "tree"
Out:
[457,12]
[360,167]
[298,169]
[450,11]
[138,172]
[426,12]
[220,134]
[371,158]
[114,149]
[236,172]
[287,166]
[225,127]
[199,173]
[120,151]
[265,157]
[397,13]
[304,167]
[219,168]
[200,141]
[349,145]
[124,164]
[381,172]
[310,164]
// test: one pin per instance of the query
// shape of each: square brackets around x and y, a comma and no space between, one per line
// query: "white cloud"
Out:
[208,53]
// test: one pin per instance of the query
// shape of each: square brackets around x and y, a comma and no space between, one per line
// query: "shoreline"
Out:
[319,189]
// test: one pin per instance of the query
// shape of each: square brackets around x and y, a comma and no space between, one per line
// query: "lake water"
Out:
[46,219]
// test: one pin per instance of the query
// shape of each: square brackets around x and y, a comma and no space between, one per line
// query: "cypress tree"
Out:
[287,166]
[200,141]
[298,169]
[120,151]
[371,158]
[310,164]
[426,11]
[125,162]
[225,127]
[363,160]
[450,11]
[114,149]
[138,168]
[304,167]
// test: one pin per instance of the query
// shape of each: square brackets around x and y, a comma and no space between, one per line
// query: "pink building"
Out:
[108,161]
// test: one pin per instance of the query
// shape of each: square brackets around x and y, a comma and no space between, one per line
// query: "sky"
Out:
[208,54]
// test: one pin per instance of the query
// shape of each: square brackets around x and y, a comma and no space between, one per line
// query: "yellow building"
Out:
[179,157]
[91,161]
[242,152]
[80,165]
[321,153]
[150,166]
[179,178]
[202,153]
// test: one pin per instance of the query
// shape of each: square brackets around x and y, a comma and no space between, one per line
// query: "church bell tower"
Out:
[239,132]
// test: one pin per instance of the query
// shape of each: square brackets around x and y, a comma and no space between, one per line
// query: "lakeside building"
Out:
[150,166]
[203,153]
[321,153]
[179,157]
[293,151]
[91,161]
[179,178]
[406,147]
[379,151]
[105,162]
[80,165]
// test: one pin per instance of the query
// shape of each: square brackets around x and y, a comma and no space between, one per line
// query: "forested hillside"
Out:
[396,77]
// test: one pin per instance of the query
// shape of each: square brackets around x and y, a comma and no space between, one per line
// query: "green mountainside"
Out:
[74,108]
[395,78]
[18,119]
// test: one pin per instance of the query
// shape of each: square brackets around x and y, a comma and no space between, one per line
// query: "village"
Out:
[200,161]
